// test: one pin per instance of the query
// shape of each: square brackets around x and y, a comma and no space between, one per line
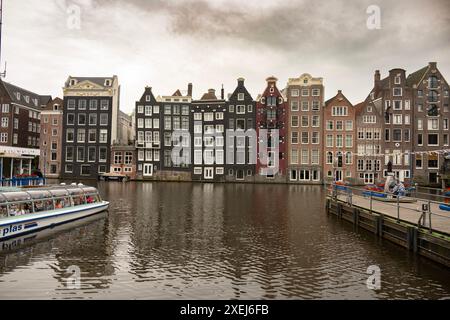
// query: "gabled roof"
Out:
[415,77]
[25,97]
[177,93]
[338,94]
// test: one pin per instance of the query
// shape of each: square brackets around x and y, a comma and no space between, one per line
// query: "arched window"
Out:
[329,157]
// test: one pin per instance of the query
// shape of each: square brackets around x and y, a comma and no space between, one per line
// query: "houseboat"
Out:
[24,211]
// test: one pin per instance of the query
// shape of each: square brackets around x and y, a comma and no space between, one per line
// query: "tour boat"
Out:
[24,211]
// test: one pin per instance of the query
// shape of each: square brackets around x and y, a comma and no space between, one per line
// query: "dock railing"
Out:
[425,210]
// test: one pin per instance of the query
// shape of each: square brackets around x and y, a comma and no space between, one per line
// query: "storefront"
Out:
[16,162]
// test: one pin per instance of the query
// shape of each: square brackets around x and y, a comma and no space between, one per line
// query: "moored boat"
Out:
[25,211]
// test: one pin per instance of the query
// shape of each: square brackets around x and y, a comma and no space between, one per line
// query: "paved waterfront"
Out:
[411,212]
[223,241]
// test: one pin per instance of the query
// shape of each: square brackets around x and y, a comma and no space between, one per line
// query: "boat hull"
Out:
[16,226]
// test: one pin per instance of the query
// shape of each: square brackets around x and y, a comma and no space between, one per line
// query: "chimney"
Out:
[433,65]
[377,77]
[189,90]
[240,82]
[222,93]
[212,91]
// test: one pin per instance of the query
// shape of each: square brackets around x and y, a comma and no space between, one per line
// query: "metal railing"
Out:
[22,182]
[426,210]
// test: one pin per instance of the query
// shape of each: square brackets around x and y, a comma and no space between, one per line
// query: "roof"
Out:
[415,77]
[177,94]
[210,95]
[97,80]
[25,97]
[338,94]
[359,107]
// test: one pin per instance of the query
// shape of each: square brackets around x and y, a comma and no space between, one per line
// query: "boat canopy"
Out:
[46,193]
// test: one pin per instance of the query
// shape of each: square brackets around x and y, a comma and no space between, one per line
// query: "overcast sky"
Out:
[166,44]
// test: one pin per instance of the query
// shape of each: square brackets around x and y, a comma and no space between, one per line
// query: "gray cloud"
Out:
[209,42]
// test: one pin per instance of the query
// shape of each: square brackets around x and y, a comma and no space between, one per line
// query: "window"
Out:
[240,96]
[294,137]
[82,104]
[339,125]
[433,96]
[103,119]
[167,123]
[397,119]
[419,124]
[294,156]
[348,125]
[339,111]
[315,121]
[103,137]
[397,135]
[348,141]
[397,92]
[209,116]
[305,156]
[92,154]
[85,170]
[92,119]
[330,124]
[420,139]
[339,141]
[5,122]
[70,135]
[433,124]
[92,104]
[433,162]
[4,137]
[305,137]
[295,93]
[68,168]
[71,104]
[315,92]
[81,136]
[329,141]
[397,80]
[104,105]
[92,135]
[80,154]
[315,105]
[219,115]
[81,119]
[433,139]
[305,121]
[294,105]
[419,161]
[140,109]
[239,110]
[397,104]
[70,119]
[103,154]
[305,92]
[305,105]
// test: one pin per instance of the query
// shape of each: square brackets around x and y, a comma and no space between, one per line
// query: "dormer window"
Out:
[397,80]
[305,81]
[18,95]
[107,82]
[35,101]
[55,107]
[27,99]
[369,108]
[73,82]
[240,96]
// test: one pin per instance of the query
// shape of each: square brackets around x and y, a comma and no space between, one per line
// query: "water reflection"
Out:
[226,241]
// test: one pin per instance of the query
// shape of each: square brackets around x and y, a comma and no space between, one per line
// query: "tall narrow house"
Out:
[208,137]
[340,130]
[431,125]
[271,125]
[91,114]
[148,135]
[51,138]
[176,152]
[241,135]
[305,96]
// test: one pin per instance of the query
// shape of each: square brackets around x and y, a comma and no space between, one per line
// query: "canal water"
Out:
[212,241]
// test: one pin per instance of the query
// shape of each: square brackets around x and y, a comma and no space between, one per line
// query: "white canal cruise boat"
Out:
[25,211]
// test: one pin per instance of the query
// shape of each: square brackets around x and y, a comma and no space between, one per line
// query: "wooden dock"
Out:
[398,224]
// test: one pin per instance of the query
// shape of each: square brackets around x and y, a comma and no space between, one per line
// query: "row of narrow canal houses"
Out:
[403,124]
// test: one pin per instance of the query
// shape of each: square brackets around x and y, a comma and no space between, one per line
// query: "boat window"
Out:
[63,203]
[78,200]
[44,205]
[92,198]
[2,198]
[3,210]
[89,190]
[20,208]
[17,196]
[75,191]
